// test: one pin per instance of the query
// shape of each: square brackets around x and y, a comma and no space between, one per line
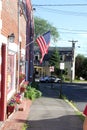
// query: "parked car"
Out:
[50,79]
[44,79]
[54,79]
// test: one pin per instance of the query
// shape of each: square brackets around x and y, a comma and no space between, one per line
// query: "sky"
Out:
[70,21]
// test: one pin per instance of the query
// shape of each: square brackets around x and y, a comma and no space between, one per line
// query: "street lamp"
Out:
[11,37]
[22,62]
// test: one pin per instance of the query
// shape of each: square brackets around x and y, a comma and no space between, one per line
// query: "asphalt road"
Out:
[76,92]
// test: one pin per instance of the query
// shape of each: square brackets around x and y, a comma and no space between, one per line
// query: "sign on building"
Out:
[51,68]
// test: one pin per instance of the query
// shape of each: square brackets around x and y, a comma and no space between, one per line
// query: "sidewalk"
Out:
[18,118]
[53,114]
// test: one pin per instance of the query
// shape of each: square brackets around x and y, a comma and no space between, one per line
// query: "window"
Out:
[10,76]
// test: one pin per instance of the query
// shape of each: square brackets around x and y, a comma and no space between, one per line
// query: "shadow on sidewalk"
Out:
[70,122]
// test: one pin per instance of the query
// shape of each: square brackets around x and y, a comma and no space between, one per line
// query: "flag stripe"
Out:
[43,42]
[40,45]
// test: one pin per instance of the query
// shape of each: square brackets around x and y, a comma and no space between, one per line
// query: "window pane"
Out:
[10,71]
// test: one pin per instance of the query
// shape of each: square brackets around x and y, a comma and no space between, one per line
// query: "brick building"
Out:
[13,21]
[29,42]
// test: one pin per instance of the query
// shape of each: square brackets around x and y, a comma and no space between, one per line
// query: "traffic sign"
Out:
[51,68]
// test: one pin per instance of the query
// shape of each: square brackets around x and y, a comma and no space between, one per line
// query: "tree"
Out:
[54,61]
[42,26]
[79,65]
[84,68]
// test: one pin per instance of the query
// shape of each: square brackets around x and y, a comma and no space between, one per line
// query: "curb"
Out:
[79,113]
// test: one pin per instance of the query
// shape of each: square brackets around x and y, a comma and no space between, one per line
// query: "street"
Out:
[76,92]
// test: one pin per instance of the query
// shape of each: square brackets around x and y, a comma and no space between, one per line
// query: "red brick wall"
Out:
[10,20]
[9,16]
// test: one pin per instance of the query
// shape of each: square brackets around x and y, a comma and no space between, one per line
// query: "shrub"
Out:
[32,93]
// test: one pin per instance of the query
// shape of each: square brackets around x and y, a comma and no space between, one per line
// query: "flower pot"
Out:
[10,109]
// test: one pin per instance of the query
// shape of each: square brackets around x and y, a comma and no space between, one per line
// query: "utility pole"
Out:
[73,59]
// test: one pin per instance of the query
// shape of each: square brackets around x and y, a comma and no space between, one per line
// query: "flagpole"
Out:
[30,43]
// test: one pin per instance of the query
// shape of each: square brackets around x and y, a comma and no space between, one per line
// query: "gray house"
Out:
[66,57]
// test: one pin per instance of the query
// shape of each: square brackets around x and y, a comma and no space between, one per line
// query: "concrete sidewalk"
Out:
[48,113]
[18,118]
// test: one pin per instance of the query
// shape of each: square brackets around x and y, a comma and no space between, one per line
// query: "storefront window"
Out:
[10,76]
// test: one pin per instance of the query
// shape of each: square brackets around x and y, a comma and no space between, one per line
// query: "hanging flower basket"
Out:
[26,83]
[22,89]
[18,98]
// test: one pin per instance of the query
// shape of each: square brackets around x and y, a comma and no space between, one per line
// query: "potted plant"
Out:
[10,107]
[18,98]
[22,89]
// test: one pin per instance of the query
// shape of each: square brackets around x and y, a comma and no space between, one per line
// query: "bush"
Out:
[32,93]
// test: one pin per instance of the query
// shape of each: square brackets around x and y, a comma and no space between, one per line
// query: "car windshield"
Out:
[46,77]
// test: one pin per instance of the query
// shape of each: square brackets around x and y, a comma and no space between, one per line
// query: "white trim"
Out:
[23,51]
[3,39]
[10,94]
[13,47]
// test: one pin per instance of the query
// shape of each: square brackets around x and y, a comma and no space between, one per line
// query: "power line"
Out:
[65,12]
[60,4]
[73,30]
[68,30]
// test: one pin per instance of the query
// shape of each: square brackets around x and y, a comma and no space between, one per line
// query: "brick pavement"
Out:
[18,118]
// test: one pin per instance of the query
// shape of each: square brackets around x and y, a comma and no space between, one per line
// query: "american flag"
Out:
[43,42]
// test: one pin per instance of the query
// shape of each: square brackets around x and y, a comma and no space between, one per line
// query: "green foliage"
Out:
[81,67]
[84,69]
[32,93]
[55,59]
[25,127]
[42,26]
